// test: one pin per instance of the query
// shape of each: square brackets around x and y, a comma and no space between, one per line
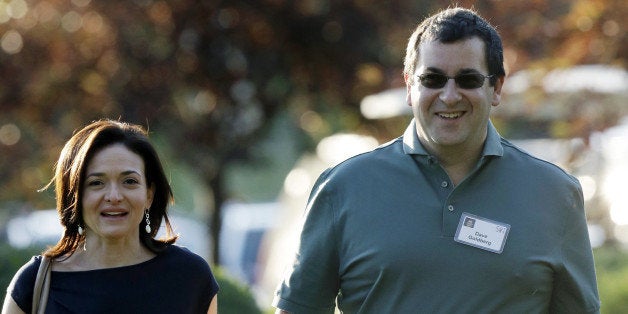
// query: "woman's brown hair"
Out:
[70,175]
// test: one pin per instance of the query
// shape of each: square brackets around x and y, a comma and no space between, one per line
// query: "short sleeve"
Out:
[196,276]
[21,286]
[211,285]
[311,283]
[575,286]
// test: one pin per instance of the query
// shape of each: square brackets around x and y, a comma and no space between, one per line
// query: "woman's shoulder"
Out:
[21,286]
[183,256]
[186,272]
[27,273]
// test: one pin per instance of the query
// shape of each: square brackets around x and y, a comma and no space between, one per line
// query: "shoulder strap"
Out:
[42,286]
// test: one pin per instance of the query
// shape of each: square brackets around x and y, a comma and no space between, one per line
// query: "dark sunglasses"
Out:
[466,81]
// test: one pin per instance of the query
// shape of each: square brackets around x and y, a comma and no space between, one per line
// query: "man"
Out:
[450,217]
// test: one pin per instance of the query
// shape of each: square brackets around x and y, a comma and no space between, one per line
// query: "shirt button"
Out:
[450,208]
[444,184]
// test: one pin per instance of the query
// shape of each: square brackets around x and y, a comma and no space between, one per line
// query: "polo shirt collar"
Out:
[412,145]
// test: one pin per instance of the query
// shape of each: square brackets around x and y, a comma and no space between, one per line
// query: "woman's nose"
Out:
[113,194]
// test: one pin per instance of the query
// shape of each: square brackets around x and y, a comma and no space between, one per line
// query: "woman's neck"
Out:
[100,253]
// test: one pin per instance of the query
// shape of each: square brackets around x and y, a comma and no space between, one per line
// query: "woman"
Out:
[112,195]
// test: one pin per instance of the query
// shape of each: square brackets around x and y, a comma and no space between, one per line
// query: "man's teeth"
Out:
[450,115]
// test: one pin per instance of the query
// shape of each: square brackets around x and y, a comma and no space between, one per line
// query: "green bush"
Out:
[234,297]
[11,260]
[611,265]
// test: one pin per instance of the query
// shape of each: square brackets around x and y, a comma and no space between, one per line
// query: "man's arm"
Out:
[315,264]
[575,283]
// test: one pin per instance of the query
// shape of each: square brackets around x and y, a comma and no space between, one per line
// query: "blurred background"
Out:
[248,101]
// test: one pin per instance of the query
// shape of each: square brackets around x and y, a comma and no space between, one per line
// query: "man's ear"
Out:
[406,77]
[497,91]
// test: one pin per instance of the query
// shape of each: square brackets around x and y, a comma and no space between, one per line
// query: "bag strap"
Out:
[42,286]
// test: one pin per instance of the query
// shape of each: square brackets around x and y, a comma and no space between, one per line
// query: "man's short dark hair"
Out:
[455,24]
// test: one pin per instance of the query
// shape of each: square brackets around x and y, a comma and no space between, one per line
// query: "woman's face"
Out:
[115,194]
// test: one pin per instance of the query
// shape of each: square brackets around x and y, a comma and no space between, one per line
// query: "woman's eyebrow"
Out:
[100,174]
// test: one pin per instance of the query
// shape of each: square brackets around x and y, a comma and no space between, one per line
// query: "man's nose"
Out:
[450,93]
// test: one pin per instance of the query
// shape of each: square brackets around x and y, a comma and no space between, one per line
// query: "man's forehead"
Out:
[462,54]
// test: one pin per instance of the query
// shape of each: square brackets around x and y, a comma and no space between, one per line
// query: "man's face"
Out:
[452,117]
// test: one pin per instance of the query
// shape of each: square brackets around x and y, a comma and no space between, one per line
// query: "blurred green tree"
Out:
[209,76]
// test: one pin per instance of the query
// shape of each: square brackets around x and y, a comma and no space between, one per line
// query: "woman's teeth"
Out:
[114,213]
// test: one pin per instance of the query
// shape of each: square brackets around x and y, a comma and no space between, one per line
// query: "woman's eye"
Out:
[131,181]
[94,183]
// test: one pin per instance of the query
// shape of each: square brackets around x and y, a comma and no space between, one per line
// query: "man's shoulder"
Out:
[534,165]
[392,150]
[382,158]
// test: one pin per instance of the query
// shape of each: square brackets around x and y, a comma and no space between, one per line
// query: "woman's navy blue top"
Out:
[175,281]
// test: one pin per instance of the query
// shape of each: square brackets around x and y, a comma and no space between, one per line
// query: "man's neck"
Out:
[458,161]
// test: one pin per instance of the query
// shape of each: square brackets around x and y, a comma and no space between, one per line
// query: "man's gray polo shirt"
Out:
[379,235]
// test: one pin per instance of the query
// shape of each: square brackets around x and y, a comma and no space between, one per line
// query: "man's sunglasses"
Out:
[466,81]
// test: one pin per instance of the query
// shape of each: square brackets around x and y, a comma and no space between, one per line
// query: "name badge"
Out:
[482,233]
